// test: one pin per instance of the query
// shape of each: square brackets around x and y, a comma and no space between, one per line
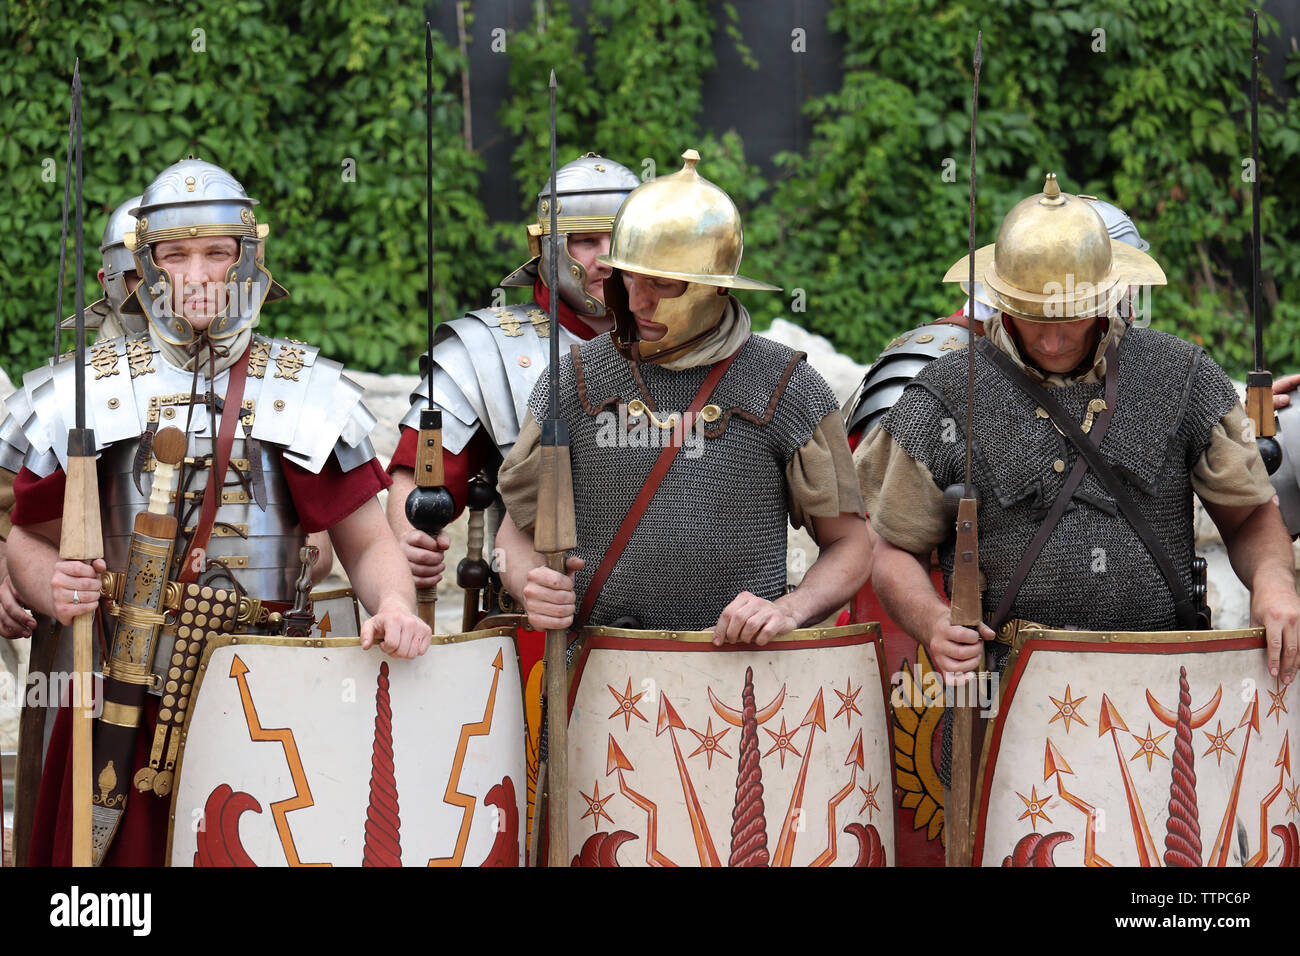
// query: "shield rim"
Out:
[313,643]
[1033,637]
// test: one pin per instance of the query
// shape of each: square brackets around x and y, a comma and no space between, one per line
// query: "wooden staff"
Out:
[473,573]
[1259,383]
[429,506]
[966,609]
[554,535]
[81,538]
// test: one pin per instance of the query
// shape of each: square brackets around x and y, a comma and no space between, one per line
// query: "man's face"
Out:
[197,268]
[1056,347]
[584,247]
[643,295]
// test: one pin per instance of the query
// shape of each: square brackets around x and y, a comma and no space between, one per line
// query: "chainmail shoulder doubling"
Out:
[1094,572]
[717,525]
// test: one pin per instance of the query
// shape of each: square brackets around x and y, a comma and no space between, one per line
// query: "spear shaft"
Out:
[966,609]
[554,535]
[80,536]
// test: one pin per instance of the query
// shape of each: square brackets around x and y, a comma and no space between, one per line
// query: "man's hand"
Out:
[1275,606]
[955,650]
[398,631]
[1283,385]
[15,620]
[749,619]
[74,588]
[549,597]
[424,554]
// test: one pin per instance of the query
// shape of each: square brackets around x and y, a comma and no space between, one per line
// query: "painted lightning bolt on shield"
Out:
[772,777]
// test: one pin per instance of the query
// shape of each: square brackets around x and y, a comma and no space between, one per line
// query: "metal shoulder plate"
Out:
[306,405]
[302,403]
[485,367]
[47,408]
[897,365]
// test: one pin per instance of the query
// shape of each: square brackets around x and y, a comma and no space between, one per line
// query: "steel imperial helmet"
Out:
[591,189]
[1055,261]
[117,261]
[191,199]
[683,227]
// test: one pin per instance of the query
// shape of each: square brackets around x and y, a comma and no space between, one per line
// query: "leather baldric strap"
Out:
[196,556]
[649,488]
[1183,607]
[1062,501]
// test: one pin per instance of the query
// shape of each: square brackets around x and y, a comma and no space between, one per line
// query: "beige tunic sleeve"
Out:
[6,502]
[903,502]
[1230,472]
[517,478]
[820,476]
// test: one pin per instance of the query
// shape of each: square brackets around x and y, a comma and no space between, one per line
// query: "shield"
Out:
[1139,749]
[917,711]
[739,756]
[349,757]
[336,612]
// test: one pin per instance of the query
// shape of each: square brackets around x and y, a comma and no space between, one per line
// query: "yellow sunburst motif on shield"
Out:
[915,724]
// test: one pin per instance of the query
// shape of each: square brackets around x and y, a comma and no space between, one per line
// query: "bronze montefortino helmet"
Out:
[591,189]
[191,199]
[1054,261]
[683,227]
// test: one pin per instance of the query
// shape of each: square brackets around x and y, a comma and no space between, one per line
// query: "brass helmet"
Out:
[682,227]
[1054,261]
[591,188]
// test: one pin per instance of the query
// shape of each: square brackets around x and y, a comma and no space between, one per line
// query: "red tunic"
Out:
[459,468]
[322,501]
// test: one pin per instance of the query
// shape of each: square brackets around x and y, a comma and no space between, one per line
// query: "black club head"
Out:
[1271,452]
[430,509]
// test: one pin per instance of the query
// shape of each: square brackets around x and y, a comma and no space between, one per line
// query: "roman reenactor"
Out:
[1089,437]
[274,446]
[773,447]
[486,363]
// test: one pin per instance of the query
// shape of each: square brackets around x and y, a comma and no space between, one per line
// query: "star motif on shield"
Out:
[596,807]
[870,804]
[1035,807]
[1219,742]
[1277,704]
[1293,806]
[783,742]
[710,743]
[848,701]
[1149,747]
[1067,709]
[626,705]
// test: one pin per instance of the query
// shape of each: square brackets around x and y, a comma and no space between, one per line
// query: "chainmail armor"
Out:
[1094,573]
[717,525]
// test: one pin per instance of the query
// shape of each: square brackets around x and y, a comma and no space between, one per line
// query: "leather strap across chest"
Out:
[196,556]
[649,488]
[1186,612]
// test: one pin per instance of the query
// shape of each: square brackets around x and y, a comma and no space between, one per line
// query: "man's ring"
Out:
[76,597]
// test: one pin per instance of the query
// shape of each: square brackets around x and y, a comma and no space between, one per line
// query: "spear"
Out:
[429,506]
[554,535]
[80,538]
[966,610]
[1259,383]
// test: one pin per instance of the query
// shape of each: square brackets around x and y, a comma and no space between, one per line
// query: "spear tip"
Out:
[979,49]
[428,40]
[551,85]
